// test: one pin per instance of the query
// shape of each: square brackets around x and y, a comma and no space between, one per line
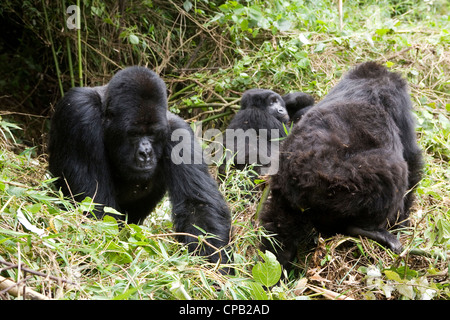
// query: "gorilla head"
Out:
[265,101]
[252,136]
[135,135]
[113,144]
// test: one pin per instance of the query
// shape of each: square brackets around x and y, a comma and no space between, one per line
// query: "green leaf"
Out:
[268,272]
[283,24]
[110,226]
[133,39]
[443,230]
[382,32]
[392,275]
[187,5]
[257,291]
[319,47]
[126,294]
[58,223]
[116,253]
[244,25]
[35,208]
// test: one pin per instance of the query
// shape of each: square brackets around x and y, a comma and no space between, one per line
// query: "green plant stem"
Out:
[173,96]
[217,116]
[52,45]
[80,66]
[69,51]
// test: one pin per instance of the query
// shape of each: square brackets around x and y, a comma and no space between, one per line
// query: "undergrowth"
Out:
[208,54]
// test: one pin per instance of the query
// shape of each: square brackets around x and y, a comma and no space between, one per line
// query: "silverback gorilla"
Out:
[113,144]
[349,166]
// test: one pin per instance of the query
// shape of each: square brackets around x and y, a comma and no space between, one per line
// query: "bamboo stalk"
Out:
[15,289]
[80,66]
[52,45]
[69,52]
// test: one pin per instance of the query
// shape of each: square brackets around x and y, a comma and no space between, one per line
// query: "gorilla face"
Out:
[135,136]
[266,100]
[277,108]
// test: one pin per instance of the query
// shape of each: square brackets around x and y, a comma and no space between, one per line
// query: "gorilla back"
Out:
[113,144]
[349,165]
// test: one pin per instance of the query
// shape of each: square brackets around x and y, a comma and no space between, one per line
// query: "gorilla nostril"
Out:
[144,155]
[144,152]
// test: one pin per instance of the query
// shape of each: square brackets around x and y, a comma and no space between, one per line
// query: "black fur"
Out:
[261,109]
[297,104]
[113,144]
[349,166]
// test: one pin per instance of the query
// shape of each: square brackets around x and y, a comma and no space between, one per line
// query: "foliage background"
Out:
[209,52]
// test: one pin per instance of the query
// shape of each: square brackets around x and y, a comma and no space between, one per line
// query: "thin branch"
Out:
[328,293]
[37,273]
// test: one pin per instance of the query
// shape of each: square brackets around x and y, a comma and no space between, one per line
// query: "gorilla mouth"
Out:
[145,166]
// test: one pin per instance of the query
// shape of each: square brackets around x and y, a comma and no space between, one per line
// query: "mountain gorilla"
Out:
[297,104]
[113,143]
[248,137]
[349,166]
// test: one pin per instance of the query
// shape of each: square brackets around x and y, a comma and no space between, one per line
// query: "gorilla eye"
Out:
[134,134]
[273,101]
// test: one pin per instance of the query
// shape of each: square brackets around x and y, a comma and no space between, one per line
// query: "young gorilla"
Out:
[349,166]
[113,144]
[297,104]
[248,137]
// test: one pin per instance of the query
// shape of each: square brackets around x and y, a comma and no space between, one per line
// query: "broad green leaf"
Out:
[244,25]
[268,272]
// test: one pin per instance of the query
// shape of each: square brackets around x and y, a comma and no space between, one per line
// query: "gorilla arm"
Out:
[77,152]
[197,205]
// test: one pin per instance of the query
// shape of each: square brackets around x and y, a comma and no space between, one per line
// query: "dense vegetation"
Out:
[209,52]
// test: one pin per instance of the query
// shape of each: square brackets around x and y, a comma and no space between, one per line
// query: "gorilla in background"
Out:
[113,143]
[249,132]
[297,104]
[349,166]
